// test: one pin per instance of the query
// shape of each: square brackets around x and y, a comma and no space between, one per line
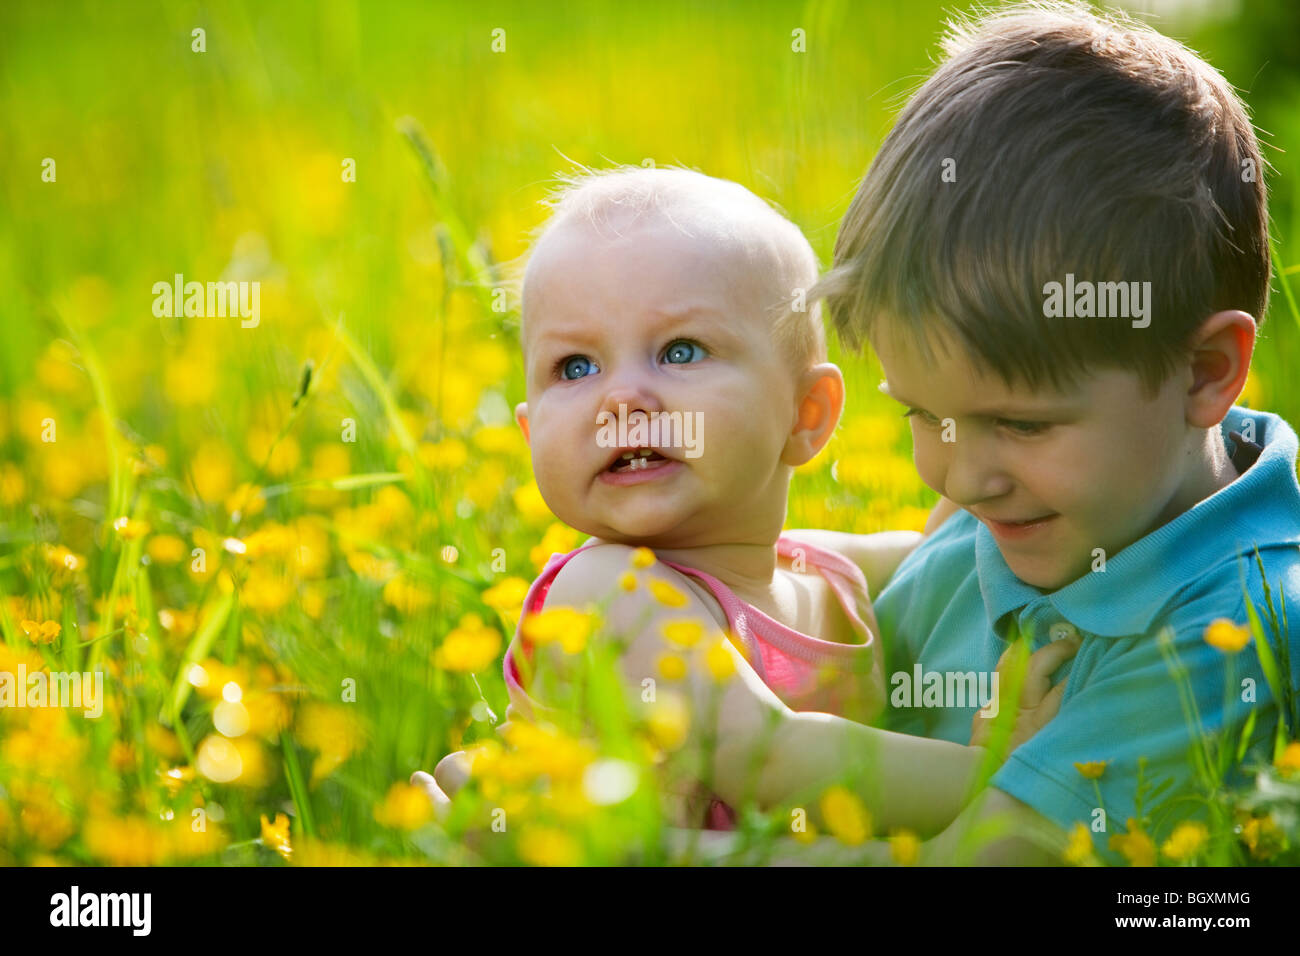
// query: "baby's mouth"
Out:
[642,459]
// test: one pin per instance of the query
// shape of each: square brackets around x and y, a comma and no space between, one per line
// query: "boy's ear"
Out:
[1220,360]
[521,416]
[821,401]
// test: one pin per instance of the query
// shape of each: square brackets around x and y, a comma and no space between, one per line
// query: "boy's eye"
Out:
[923,415]
[683,351]
[1023,428]
[575,367]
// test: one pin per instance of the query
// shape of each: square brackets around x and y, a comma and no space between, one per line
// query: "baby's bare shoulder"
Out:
[597,573]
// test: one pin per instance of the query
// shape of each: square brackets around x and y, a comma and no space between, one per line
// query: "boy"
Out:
[1107,486]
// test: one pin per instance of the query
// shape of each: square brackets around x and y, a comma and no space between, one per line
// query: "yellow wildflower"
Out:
[276,835]
[1079,849]
[1289,762]
[1091,770]
[666,593]
[404,807]
[1135,846]
[1226,636]
[569,626]
[669,721]
[547,846]
[529,502]
[684,633]
[1262,836]
[41,632]
[407,595]
[846,818]
[721,665]
[468,648]
[905,848]
[1185,842]
[557,539]
[672,666]
[166,548]
[332,731]
[130,528]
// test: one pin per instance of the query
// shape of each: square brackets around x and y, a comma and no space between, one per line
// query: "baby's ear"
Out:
[521,416]
[821,401]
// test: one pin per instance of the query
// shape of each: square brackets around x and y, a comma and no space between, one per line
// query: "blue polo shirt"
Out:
[952,605]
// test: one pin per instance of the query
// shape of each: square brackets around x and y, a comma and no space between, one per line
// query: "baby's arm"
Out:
[879,554]
[763,750]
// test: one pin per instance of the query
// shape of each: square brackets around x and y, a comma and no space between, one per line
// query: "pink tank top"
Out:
[806,672]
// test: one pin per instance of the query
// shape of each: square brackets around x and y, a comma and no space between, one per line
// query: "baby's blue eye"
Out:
[683,351]
[577,366]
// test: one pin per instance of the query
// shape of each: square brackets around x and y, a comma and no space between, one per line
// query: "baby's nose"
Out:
[624,400]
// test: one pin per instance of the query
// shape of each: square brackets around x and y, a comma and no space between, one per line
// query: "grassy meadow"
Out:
[298,549]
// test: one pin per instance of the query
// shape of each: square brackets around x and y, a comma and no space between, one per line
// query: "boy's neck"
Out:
[1211,472]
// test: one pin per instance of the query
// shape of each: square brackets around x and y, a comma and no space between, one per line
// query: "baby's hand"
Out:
[1039,700]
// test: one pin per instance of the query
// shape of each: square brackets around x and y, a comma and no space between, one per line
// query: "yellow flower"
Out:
[1078,850]
[506,597]
[404,807]
[684,633]
[547,846]
[1185,842]
[721,665]
[627,581]
[407,595]
[905,848]
[806,834]
[1262,836]
[124,841]
[1289,762]
[41,632]
[166,548]
[130,528]
[1135,846]
[468,648]
[1226,636]
[557,539]
[567,625]
[276,835]
[642,558]
[846,818]
[529,502]
[332,731]
[669,721]
[1091,770]
[672,666]
[666,594]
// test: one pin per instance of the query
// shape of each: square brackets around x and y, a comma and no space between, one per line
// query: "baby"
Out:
[674,383]
[672,390]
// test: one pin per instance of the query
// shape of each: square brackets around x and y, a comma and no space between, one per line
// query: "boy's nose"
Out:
[973,476]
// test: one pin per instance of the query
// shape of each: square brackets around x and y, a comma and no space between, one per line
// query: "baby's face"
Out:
[657,323]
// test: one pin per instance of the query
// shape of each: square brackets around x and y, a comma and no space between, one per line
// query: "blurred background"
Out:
[181,497]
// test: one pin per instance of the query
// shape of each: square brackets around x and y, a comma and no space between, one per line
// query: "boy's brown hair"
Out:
[1081,144]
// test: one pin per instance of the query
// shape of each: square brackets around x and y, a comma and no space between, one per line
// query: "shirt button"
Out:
[1062,630]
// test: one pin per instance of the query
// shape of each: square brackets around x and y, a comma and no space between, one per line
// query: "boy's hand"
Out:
[1039,700]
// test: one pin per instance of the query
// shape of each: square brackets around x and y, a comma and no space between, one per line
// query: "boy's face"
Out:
[1053,475]
[660,323]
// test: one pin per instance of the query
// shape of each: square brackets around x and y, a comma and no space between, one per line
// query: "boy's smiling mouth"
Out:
[1016,529]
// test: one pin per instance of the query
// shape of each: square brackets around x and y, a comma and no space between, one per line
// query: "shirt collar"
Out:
[1260,508]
